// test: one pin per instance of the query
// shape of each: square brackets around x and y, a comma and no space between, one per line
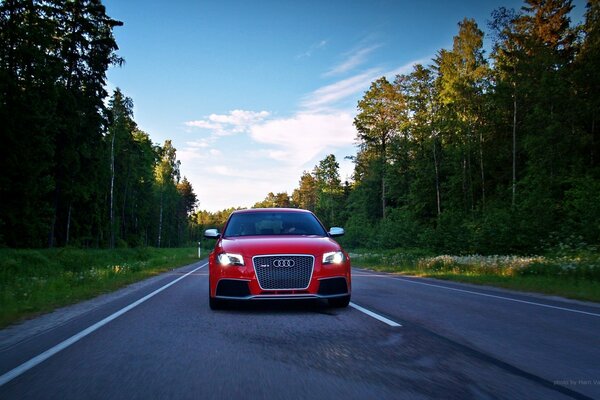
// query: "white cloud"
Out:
[316,46]
[327,96]
[201,143]
[353,59]
[239,118]
[202,124]
[303,137]
[188,154]
[197,150]
[405,69]
[218,192]
[269,153]
[224,170]
[346,169]
[237,121]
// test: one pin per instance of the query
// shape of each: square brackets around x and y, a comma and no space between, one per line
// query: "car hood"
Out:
[256,245]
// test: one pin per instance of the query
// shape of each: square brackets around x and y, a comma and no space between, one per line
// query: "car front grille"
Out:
[284,271]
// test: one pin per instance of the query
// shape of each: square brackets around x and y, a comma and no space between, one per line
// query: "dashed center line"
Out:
[375,315]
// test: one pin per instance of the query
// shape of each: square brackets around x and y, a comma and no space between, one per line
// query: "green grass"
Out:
[574,275]
[38,281]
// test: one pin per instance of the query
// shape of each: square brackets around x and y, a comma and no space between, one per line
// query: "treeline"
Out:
[76,170]
[477,153]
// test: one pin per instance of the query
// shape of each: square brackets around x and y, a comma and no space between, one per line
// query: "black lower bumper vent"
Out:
[328,287]
[233,288]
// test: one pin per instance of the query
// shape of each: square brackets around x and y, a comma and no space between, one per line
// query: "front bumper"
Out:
[242,289]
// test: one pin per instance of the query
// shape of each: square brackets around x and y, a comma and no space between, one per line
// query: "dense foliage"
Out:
[477,153]
[76,170]
[474,152]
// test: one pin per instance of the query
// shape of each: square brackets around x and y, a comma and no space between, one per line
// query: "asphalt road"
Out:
[433,340]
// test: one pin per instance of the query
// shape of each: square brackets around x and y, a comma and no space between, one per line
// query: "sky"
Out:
[253,93]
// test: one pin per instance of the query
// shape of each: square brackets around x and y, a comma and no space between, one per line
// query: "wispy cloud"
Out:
[353,59]
[315,46]
[271,152]
[328,96]
[332,96]
[406,68]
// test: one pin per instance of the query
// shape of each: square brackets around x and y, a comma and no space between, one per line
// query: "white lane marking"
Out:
[489,295]
[12,374]
[374,315]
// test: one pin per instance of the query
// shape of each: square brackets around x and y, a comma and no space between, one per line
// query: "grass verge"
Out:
[575,275]
[38,281]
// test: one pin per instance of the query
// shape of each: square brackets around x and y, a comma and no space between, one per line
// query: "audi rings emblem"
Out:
[281,263]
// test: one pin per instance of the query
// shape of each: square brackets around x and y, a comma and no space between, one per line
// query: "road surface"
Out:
[400,338]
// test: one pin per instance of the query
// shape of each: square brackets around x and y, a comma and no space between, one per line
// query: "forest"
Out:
[475,153]
[492,147]
[77,171]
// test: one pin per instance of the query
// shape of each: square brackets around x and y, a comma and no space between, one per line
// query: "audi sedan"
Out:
[277,253]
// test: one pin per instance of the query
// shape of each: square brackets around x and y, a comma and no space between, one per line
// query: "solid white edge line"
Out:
[490,295]
[374,315]
[12,374]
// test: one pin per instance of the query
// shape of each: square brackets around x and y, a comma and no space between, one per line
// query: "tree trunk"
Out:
[592,147]
[464,180]
[383,196]
[123,214]
[68,224]
[514,151]
[160,219]
[437,180]
[112,187]
[51,234]
[383,165]
[482,170]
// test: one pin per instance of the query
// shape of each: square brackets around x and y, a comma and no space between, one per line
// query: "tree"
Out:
[418,157]
[28,99]
[587,81]
[121,127]
[279,200]
[87,48]
[508,54]
[53,66]
[381,112]
[187,204]
[167,176]
[329,189]
[463,75]
[306,195]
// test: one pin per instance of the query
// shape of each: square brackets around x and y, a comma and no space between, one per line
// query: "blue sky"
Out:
[252,93]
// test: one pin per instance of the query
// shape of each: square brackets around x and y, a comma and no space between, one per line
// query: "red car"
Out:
[277,253]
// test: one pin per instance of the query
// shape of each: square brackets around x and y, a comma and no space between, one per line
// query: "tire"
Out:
[339,302]
[214,304]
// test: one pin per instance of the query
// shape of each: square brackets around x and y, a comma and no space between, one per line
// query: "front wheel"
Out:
[339,302]
[214,304]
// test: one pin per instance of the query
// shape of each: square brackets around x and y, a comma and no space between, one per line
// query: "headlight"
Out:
[334,257]
[226,259]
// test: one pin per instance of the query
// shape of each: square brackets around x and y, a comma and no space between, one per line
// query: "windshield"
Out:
[273,223]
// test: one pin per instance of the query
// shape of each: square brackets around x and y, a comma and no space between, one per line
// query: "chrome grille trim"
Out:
[295,277]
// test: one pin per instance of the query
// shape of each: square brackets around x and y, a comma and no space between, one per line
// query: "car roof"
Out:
[257,210]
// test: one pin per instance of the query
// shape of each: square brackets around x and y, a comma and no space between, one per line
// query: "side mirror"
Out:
[336,231]
[212,234]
